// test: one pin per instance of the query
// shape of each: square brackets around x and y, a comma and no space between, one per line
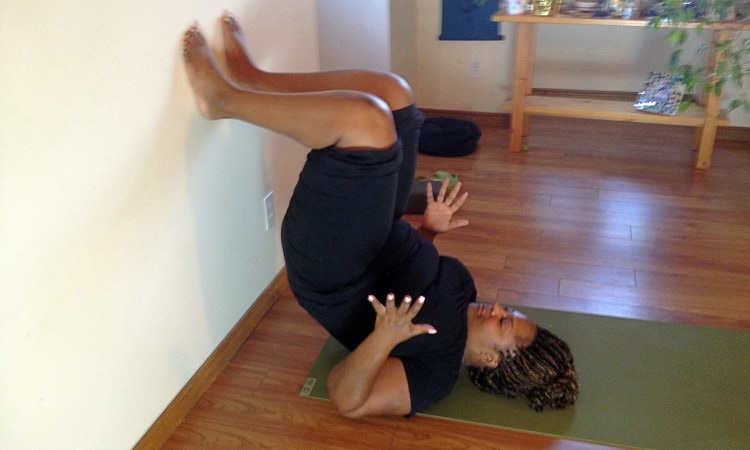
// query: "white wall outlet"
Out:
[268,210]
[475,68]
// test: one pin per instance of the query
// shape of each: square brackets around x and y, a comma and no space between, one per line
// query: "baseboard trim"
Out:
[158,434]
[502,119]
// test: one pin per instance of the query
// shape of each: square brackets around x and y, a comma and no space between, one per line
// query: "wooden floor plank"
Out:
[595,218]
[562,269]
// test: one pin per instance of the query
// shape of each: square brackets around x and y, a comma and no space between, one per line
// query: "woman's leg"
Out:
[394,90]
[348,119]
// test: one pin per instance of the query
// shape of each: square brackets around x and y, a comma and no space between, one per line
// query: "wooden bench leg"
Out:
[521,84]
[697,138]
[706,145]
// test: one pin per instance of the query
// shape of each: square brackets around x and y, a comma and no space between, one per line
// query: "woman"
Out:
[346,246]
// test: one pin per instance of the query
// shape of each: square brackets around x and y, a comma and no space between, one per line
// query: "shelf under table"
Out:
[609,110]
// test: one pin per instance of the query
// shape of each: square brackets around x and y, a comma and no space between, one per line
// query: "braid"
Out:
[543,372]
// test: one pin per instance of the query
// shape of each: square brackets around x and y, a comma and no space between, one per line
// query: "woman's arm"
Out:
[369,382]
[438,216]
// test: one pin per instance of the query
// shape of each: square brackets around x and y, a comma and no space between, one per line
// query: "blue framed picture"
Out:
[469,20]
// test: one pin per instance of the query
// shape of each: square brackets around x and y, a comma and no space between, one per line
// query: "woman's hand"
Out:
[395,323]
[438,216]
[369,381]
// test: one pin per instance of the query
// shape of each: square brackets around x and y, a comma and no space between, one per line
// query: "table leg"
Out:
[708,133]
[712,110]
[521,83]
[530,58]
[697,137]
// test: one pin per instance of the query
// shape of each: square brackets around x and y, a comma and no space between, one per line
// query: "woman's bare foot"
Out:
[241,67]
[209,86]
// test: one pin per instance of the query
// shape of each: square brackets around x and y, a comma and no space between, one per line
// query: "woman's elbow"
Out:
[351,413]
[345,405]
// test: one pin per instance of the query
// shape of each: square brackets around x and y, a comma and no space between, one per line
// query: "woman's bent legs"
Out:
[321,109]
[392,89]
[345,118]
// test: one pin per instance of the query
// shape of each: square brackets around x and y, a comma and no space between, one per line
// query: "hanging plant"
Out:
[725,19]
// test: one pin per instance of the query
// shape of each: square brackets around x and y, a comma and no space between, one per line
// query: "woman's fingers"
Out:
[423,328]
[451,198]
[376,305]
[411,308]
[441,193]
[443,190]
[400,317]
[389,307]
[454,192]
[407,307]
[457,205]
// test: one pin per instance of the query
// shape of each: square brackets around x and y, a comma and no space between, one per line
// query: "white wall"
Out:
[131,230]
[568,57]
[403,33]
[353,34]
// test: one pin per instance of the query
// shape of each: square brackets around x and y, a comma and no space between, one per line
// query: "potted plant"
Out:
[725,19]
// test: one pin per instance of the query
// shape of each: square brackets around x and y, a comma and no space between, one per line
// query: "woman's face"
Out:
[492,328]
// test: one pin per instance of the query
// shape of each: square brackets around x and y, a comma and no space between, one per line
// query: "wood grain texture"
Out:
[596,218]
[563,19]
[608,110]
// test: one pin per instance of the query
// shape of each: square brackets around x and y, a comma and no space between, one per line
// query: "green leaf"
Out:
[721,68]
[719,87]
[677,37]
[689,80]
[674,60]
[736,75]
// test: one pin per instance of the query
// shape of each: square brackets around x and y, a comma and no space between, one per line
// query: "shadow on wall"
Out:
[226,180]
[199,193]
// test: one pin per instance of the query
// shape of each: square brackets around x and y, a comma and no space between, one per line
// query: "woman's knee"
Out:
[395,91]
[369,122]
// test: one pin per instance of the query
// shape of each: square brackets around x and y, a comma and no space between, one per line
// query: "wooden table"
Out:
[705,119]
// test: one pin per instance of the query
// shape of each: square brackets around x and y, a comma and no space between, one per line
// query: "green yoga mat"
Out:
[642,384]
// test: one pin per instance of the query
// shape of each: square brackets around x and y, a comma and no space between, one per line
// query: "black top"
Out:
[343,241]
[406,266]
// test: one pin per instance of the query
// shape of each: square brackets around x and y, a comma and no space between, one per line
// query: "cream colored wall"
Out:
[354,34]
[403,34]
[568,57]
[442,67]
[131,230]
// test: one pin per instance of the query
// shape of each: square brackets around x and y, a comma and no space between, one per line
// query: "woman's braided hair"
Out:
[543,372]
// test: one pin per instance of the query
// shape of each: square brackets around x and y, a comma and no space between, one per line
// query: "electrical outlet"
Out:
[268,210]
[475,68]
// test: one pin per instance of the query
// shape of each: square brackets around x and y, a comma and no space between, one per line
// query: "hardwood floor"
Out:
[597,217]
